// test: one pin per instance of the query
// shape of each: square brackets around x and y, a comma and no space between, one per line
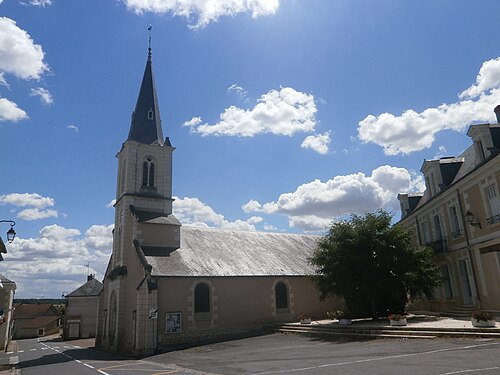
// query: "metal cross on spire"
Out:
[149,49]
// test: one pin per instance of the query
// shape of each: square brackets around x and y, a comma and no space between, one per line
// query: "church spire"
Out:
[146,123]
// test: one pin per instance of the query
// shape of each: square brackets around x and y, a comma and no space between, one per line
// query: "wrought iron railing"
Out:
[493,219]
[438,246]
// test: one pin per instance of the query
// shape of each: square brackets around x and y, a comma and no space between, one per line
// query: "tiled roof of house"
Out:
[40,322]
[91,288]
[216,252]
[30,311]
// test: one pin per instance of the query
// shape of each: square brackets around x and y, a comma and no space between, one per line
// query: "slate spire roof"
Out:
[146,122]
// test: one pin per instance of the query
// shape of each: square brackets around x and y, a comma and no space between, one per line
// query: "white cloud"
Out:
[19,55]
[27,199]
[488,78]
[317,142]
[252,206]
[281,112]
[111,204]
[193,122]
[200,13]
[35,203]
[412,131]
[270,227]
[44,95]
[255,220]
[73,127]
[240,91]
[54,260]
[313,205]
[193,212]
[41,3]
[9,111]
[36,214]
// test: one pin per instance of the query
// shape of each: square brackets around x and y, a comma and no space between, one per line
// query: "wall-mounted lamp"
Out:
[469,218]
[11,233]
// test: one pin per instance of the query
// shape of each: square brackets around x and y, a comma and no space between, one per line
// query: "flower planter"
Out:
[400,322]
[482,323]
[305,321]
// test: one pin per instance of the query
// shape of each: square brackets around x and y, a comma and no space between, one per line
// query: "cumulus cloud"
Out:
[317,142]
[313,205]
[35,203]
[412,131]
[73,127]
[27,199]
[282,112]
[19,55]
[36,214]
[193,122]
[200,13]
[111,204]
[54,260]
[44,95]
[193,212]
[9,111]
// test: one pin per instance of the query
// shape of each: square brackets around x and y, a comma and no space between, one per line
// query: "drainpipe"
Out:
[467,240]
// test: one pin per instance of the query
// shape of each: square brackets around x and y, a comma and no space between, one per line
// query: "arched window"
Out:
[150,114]
[281,295]
[148,173]
[112,316]
[201,298]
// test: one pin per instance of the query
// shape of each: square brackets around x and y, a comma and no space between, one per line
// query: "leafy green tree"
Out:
[373,265]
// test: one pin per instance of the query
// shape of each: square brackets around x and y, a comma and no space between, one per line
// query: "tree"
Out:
[373,265]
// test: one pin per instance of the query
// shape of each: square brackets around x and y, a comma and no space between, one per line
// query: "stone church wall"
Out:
[237,305]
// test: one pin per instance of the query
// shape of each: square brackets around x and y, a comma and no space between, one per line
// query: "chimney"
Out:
[497,112]
[91,276]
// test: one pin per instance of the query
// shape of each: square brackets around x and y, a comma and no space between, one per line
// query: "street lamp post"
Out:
[11,234]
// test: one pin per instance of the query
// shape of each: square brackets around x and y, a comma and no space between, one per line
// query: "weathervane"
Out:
[149,49]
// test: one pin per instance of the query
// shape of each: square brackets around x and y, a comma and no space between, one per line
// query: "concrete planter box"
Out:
[483,323]
[400,322]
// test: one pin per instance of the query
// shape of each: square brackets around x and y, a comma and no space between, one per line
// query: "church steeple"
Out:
[146,123]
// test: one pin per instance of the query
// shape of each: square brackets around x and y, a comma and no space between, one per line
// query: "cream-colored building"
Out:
[167,284]
[458,215]
[81,310]
[7,291]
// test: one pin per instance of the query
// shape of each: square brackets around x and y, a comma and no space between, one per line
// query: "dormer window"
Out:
[150,114]
[148,173]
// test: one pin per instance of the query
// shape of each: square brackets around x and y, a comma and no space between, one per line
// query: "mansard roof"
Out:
[146,123]
[207,252]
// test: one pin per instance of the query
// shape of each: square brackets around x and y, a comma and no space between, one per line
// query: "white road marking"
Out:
[374,359]
[21,351]
[45,348]
[9,353]
[77,360]
[102,372]
[89,366]
[471,370]
[32,350]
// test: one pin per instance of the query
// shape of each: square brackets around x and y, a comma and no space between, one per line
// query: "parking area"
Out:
[283,354]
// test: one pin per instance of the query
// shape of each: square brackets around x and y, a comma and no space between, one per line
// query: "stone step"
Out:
[357,334]
[406,331]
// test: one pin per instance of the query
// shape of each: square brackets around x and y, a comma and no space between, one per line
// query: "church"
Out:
[168,284]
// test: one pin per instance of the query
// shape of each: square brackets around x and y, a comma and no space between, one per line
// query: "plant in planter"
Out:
[398,319]
[342,315]
[482,318]
[304,319]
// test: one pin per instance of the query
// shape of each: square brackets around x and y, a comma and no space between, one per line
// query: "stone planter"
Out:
[305,321]
[345,322]
[400,322]
[483,323]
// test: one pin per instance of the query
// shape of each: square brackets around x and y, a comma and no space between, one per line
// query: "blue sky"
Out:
[286,114]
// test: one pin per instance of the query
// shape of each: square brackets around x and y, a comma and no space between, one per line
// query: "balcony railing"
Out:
[493,219]
[438,246]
